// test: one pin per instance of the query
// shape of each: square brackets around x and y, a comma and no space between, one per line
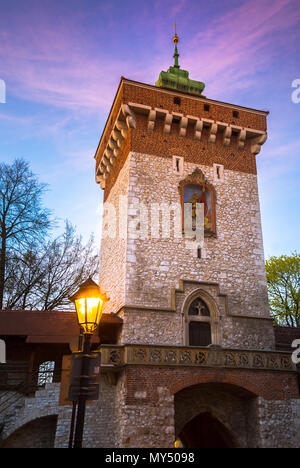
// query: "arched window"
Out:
[199,328]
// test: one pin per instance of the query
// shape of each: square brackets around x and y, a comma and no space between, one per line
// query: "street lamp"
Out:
[89,302]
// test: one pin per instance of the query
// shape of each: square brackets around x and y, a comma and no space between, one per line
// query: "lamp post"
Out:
[89,302]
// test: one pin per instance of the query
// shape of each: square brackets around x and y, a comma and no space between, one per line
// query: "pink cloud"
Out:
[48,61]
[236,45]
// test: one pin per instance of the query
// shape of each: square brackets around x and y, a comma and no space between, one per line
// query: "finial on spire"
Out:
[175,38]
[178,79]
[176,54]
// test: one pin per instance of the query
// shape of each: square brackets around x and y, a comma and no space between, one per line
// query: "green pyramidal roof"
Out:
[178,79]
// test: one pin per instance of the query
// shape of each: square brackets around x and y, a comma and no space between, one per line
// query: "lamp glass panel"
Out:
[89,311]
[94,309]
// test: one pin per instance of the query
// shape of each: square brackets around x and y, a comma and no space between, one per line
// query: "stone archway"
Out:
[205,431]
[215,415]
[38,433]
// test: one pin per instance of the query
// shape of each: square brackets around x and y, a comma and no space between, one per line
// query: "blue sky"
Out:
[62,61]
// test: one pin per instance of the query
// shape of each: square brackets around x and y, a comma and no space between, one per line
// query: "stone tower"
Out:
[194,315]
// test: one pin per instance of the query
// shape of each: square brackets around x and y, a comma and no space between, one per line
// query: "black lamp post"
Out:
[89,302]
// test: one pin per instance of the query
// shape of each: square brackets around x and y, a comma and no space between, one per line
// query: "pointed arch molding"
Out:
[188,290]
[197,177]
[215,315]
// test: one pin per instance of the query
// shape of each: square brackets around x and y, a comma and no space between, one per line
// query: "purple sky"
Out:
[62,61]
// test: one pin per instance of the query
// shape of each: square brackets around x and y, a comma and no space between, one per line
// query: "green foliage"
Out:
[283,278]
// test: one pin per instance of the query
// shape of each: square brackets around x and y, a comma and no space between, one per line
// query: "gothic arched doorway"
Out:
[205,431]
[215,415]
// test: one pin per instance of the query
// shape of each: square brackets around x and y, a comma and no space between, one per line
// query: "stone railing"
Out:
[118,356]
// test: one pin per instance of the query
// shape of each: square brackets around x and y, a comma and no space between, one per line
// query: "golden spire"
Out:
[176,54]
[175,38]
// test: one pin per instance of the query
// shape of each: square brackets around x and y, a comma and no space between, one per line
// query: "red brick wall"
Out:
[118,166]
[198,152]
[269,385]
[156,97]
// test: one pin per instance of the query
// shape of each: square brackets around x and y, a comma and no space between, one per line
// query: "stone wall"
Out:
[141,271]
[39,433]
[279,423]
[144,423]
[234,259]
[154,405]
[113,248]
[27,413]
[149,406]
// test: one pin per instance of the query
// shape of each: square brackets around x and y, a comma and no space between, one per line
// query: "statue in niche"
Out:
[200,194]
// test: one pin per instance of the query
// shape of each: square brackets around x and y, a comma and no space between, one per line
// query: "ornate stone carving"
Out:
[115,357]
[197,177]
[194,357]
[139,354]
[258,361]
[155,355]
[185,357]
[171,357]
[200,358]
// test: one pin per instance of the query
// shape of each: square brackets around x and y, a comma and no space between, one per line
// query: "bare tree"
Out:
[23,219]
[67,263]
[45,276]
[24,272]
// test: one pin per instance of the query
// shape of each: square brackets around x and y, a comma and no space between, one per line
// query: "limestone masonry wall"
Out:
[142,271]
[234,259]
[113,248]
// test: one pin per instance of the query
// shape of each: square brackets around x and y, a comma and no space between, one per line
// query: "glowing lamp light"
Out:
[89,302]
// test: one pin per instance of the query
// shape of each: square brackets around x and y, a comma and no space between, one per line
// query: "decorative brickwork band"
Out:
[137,106]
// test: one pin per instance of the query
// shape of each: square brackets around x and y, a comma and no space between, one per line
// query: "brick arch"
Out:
[268,385]
[234,385]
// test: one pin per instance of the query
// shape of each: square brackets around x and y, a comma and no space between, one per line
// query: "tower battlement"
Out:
[204,131]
